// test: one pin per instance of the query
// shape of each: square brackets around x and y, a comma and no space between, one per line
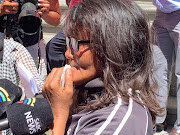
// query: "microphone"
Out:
[27,117]
[4,124]
[9,94]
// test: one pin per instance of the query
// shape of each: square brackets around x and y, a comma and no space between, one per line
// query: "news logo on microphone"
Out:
[32,123]
[30,116]
[29,101]
[4,96]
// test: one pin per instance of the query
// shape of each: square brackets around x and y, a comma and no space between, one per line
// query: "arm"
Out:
[60,98]
[50,11]
[8,7]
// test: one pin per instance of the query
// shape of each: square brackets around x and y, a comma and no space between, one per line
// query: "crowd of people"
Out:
[121,68]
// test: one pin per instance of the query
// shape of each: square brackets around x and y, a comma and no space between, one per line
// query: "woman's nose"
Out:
[69,54]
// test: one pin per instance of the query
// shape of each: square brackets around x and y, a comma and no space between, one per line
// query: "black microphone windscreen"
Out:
[9,93]
[30,116]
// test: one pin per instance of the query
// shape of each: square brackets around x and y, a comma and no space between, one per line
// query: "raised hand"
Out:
[59,97]
[44,7]
[8,7]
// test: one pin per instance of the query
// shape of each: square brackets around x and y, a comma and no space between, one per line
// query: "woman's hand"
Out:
[44,6]
[8,7]
[61,98]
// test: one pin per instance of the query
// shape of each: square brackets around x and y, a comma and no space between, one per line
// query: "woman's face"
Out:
[83,63]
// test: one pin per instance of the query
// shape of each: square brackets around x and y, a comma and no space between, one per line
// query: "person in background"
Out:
[13,54]
[56,47]
[49,10]
[109,88]
[166,20]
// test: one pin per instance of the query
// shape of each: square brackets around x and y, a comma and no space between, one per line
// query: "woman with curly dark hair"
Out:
[109,88]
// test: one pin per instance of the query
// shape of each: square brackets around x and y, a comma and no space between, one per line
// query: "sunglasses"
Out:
[73,44]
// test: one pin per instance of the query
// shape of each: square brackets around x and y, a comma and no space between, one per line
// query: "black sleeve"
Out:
[55,51]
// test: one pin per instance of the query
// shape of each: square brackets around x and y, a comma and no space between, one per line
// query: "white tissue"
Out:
[62,82]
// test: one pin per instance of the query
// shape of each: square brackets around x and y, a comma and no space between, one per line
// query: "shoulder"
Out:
[9,45]
[13,44]
[17,49]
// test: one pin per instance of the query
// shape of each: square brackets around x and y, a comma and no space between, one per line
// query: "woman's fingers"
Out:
[69,81]
[46,90]
[51,75]
[52,81]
